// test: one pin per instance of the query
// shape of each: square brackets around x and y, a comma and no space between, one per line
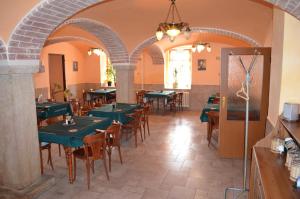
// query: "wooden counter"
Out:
[271,178]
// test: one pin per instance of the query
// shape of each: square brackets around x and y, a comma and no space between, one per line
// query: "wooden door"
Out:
[57,76]
[232,108]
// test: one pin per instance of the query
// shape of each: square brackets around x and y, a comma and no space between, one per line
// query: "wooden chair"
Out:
[179,101]
[54,120]
[94,149]
[213,124]
[172,103]
[84,109]
[75,105]
[113,140]
[45,146]
[134,124]
[145,119]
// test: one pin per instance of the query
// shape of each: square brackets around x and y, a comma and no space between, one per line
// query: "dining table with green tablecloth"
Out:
[103,92]
[164,95]
[206,109]
[47,110]
[117,113]
[71,136]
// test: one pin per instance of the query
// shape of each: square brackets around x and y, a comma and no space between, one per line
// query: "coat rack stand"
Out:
[244,94]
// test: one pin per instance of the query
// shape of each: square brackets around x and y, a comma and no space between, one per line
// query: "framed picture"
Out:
[75,65]
[201,64]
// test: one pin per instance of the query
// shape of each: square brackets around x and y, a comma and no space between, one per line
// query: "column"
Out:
[125,83]
[19,149]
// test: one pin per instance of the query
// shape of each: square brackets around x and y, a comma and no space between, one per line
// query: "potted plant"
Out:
[175,83]
[57,88]
[110,74]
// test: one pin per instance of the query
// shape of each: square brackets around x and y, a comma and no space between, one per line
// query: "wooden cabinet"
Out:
[270,177]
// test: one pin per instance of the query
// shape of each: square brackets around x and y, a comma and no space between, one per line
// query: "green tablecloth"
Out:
[119,113]
[157,94]
[52,109]
[60,134]
[206,109]
[102,92]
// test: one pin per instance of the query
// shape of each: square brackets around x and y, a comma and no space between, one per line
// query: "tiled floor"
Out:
[174,162]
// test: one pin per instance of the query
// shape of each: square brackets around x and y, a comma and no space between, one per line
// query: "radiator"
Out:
[186,99]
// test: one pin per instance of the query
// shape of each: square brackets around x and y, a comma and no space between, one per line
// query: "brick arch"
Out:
[117,50]
[54,40]
[29,36]
[3,53]
[156,54]
[135,54]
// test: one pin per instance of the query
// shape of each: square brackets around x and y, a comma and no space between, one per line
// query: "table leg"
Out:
[69,155]
[158,104]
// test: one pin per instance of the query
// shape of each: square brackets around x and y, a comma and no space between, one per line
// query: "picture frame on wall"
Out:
[201,64]
[75,66]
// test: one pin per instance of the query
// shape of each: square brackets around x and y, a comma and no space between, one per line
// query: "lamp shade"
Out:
[208,48]
[200,47]
[159,35]
[173,31]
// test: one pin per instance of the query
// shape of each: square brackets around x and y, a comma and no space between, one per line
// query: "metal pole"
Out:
[246,133]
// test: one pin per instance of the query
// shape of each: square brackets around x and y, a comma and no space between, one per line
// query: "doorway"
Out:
[57,79]
[232,108]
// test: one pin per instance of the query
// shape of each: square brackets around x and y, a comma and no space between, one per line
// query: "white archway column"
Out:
[125,82]
[19,146]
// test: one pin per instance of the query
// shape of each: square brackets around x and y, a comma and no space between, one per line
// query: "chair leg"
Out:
[105,166]
[93,166]
[50,158]
[88,166]
[41,162]
[135,137]
[59,151]
[119,149]
[75,168]
[144,128]
[141,132]
[147,122]
[109,158]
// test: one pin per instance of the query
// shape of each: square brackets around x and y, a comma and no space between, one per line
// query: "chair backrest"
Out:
[94,146]
[113,133]
[146,110]
[180,96]
[140,97]
[137,116]
[84,109]
[75,105]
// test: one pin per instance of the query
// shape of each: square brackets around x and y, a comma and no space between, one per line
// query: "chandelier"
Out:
[96,51]
[172,28]
[199,47]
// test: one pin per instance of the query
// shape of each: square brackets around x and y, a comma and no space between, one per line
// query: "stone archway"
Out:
[54,40]
[156,54]
[29,36]
[135,54]
[116,48]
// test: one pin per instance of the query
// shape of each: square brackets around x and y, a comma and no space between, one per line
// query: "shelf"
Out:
[274,175]
[293,128]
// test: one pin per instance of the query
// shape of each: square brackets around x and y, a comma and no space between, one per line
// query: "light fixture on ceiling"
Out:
[172,28]
[96,51]
[199,47]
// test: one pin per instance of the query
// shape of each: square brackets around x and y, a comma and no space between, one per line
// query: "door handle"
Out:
[223,101]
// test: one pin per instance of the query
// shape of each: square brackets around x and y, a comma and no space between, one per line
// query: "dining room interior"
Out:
[149,99]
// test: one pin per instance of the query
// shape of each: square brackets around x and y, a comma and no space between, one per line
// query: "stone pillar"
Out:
[19,148]
[125,83]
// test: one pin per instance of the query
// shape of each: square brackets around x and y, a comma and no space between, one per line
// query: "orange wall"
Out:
[148,73]
[88,66]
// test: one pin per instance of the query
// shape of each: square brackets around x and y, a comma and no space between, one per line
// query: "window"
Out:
[103,68]
[178,69]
